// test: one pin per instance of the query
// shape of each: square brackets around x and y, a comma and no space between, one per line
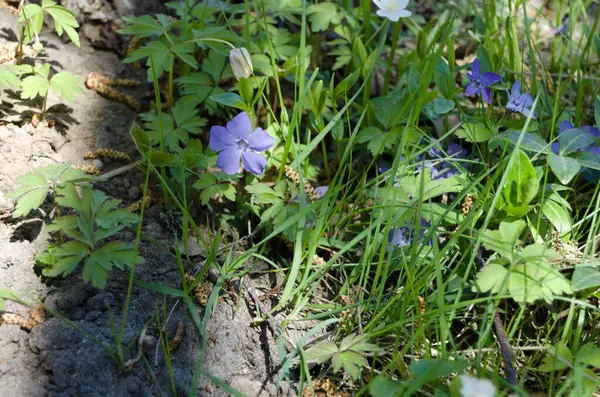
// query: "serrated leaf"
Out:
[8,78]
[229,99]
[322,15]
[67,257]
[143,26]
[474,132]
[33,18]
[62,223]
[589,354]
[321,352]
[64,20]
[32,86]
[66,85]
[69,197]
[492,278]
[350,361]
[559,358]
[31,194]
[272,212]
[93,270]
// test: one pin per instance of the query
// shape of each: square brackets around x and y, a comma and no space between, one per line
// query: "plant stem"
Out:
[388,73]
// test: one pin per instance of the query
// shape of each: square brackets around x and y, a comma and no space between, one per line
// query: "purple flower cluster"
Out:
[479,84]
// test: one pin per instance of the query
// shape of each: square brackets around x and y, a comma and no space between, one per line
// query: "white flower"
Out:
[241,64]
[475,387]
[392,9]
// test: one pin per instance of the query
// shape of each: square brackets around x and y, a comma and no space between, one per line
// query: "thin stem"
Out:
[394,44]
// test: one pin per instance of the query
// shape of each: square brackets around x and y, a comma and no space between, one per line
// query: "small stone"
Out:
[93,315]
[284,387]
[101,301]
[77,314]
[271,389]
[133,193]
[249,386]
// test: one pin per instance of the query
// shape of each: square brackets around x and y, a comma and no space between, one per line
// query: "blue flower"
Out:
[480,83]
[443,169]
[404,236]
[521,103]
[234,142]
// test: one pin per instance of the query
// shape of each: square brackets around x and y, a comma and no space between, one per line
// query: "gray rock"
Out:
[284,387]
[248,386]
[101,301]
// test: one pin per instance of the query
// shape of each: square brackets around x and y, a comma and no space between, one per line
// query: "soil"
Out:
[56,358]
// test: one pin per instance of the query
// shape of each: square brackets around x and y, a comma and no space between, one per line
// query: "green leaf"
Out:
[557,215]
[443,106]
[492,278]
[229,99]
[559,358]
[588,160]
[504,240]
[321,352]
[443,81]
[67,256]
[31,194]
[322,15]
[597,110]
[33,18]
[33,86]
[64,20]
[585,276]
[62,223]
[384,387]
[66,85]
[144,26]
[531,142]
[574,139]
[565,168]
[589,354]
[8,78]
[521,186]
[474,132]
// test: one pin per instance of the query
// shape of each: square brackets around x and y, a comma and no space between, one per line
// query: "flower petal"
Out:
[591,130]
[254,162]
[471,90]
[526,100]
[240,126]
[221,139]
[489,78]
[486,94]
[229,161]
[260,140]
[555,146]
[476,68]
[515,92]
[565,125]
[526,111]
[513,107]
[389,15]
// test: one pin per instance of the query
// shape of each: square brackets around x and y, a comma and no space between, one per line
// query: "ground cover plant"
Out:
[422,178]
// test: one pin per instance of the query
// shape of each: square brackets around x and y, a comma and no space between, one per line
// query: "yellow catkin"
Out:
[323,388]
[294,177]
[133,45]
[95,79]
[467,204]
[318,261]
[88,169]
[118,96]
[108,153]
[36,316]
[136,206]
[176,341]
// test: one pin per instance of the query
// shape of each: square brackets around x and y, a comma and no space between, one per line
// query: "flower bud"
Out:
[241,64]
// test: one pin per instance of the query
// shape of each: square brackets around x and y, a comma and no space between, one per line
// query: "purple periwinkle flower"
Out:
[521,103]
[321,191]
[235,141]
[563,29]
[404,236]
[480,83]
[565,125]
[443,169]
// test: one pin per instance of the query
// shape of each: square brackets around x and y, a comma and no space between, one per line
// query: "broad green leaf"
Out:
[585,276]
[474,132]
[66,85]
[504,240]
[557,214]
[588,160]
[574,139]
[229,99]
[8,78]
[67,256]
[589,354]
[321,352]
[442,105]
[531,142]
[144,26]
[521,186]
[62,223]
[384,387]
[33,18]
[32,193]
[443,81]
[565,168]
